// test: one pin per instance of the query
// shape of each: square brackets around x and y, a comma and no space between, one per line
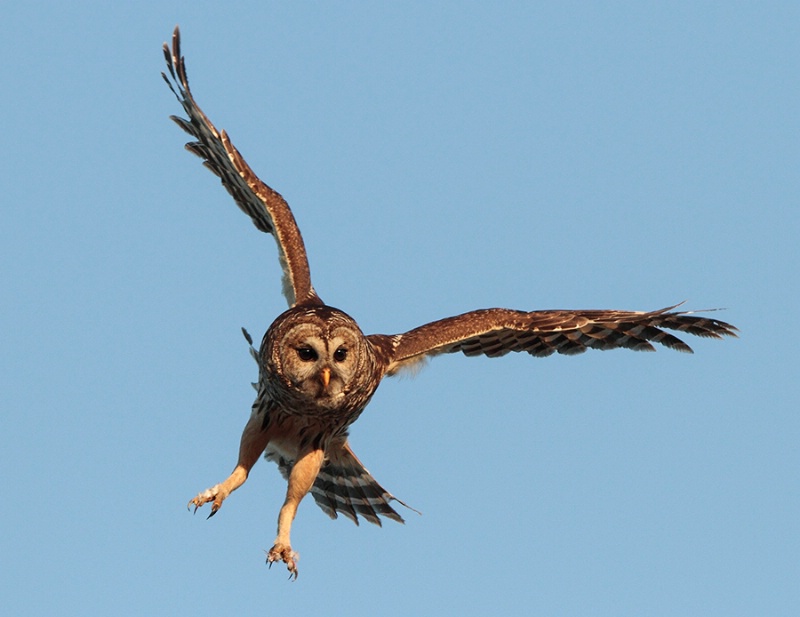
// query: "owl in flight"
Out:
[318,371]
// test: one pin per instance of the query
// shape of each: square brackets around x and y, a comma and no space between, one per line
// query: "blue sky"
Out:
[439,157]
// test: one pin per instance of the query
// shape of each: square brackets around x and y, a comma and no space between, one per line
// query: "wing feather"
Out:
[496,332]
[266,207]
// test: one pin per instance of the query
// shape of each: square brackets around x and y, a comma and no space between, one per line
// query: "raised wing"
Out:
[268,210]
[495,332]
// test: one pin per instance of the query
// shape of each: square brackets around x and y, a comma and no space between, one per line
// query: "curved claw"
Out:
[212,494]
[285,554]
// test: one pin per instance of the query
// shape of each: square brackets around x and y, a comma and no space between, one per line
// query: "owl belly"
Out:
[298,429]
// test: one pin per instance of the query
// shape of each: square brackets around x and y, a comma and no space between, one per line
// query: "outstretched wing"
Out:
[268,210]
[495,332]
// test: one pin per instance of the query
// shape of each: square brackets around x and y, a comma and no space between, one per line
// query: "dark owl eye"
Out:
[306,354]
[340,354]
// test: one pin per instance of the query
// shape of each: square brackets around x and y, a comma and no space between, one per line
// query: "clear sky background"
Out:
[439,157]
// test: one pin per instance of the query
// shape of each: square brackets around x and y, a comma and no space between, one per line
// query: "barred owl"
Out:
[318,371]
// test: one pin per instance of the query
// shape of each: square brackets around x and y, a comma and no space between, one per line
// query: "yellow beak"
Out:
[326,377]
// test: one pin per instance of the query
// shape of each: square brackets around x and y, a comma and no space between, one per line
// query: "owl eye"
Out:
[306,354]
[340,354]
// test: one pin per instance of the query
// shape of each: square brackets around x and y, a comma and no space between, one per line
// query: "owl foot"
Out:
[284,553]
[215,494]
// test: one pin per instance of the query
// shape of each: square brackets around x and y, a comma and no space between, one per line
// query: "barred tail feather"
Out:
[345,486]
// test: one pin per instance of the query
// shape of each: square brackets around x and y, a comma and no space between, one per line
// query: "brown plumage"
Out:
[317,370]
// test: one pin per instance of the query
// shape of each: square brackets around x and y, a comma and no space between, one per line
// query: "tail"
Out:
[344,485]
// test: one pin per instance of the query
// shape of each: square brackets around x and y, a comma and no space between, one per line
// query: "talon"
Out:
[215,494]
[285,554]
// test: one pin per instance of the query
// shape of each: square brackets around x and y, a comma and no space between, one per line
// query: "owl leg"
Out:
[254,441]
[301,479]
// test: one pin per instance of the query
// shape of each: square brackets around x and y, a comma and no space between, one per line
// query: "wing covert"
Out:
[266,207]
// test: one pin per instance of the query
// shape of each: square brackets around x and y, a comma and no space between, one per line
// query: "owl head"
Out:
[318,355]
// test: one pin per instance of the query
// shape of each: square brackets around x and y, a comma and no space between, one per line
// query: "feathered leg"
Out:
[301,479]
[254,440]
